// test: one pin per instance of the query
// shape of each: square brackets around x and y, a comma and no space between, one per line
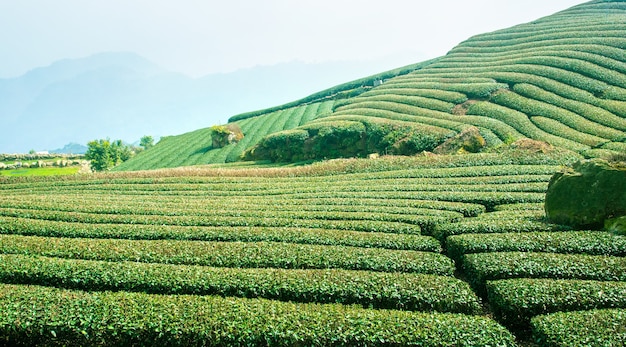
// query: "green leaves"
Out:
[582,328]
[406,291]
[121,318]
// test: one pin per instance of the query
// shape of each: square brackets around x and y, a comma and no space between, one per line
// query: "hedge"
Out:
[579,242]
[46,316]
[230,254]
[606,327]
[34,227]
[515,301]
[371,289]
[481,267]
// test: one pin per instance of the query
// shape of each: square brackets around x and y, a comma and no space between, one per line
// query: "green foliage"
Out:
[583,328]
[344,138]
[105,154]
[146,141]
[37,315]
[481,267]
[231,254]
[415,292]
[318,236]
[573,242]
[516,301]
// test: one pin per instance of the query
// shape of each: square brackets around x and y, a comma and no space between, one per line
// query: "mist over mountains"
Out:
[122,95]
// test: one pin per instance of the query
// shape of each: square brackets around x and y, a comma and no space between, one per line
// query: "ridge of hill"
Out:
[560,79]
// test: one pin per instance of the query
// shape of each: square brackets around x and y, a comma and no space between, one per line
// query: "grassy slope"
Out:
[559,79]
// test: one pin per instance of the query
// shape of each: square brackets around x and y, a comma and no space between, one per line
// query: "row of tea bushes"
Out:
[231,254]
[572,242]
[393,290]
[482,267]
[38,315]
[603,327]
[35,227]
[516,301]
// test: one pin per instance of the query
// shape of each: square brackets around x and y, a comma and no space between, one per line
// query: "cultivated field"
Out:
[559,79]
[391,251]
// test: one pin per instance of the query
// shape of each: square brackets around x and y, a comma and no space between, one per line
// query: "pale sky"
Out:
[199,37]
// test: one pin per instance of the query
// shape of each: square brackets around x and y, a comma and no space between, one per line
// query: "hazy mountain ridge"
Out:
[123,95]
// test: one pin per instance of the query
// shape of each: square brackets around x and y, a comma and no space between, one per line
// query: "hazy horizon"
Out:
[197,38]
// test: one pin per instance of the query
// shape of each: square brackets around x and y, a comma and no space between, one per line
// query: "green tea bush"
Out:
[419,101]
[516,301]
[603,327]
[573,242]
[557,128]
[481,267]
[536,108]
[370,289]
[45,316]
[231,254]
[331,237]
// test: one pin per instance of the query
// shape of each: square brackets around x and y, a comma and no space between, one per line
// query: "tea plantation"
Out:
[560,79]
[446,250]
[393,246]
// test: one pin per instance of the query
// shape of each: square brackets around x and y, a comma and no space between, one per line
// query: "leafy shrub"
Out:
[516,301]
[344,138]
[335,236]
[370,289]
[231,254]
[578,242]
[584,328]
[481,267]
[37,316]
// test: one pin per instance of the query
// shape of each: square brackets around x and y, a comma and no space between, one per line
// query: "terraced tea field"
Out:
[560,79]
[392,251]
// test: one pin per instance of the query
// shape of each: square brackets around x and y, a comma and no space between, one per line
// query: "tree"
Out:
[146,142]
[105,154]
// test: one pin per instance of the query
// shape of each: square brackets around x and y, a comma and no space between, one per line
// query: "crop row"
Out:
[231,254]
[604,56]
[227,221]
[33,315]
[562,89]
[419,101]
[516,301]
[331,237]
[521,123]
[371,289]
[585,68]
[612,39]
[573,242]
[532,107]
[218,213]
[482,226]
[443,95]
[482,267]
[603,327]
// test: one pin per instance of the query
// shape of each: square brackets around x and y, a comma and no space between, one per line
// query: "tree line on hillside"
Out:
[105,154]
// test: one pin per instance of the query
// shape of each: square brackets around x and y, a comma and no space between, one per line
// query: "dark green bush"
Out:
[605,327]
[516,301]
[231,254]
[580,242]
[481,267]
[345,138]
[38,316]
[415,292]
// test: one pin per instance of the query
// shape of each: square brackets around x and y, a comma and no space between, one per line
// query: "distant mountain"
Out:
[121,95]
[71,148]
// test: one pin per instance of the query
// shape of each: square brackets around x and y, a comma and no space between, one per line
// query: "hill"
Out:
[124,96]
[560,79]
